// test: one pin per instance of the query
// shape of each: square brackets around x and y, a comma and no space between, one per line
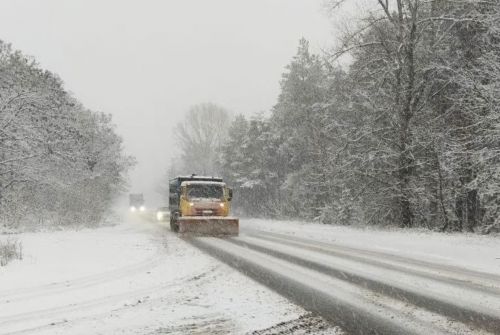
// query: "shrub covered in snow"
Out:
[9,250]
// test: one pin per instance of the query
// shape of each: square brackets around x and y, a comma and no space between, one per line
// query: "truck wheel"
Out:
[173,223]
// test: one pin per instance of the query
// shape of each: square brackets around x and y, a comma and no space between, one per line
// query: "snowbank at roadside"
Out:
[475,252]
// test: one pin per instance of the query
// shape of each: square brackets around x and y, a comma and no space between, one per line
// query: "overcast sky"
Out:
[147,61]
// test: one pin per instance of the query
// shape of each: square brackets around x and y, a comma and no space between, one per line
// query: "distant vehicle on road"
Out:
[162,214]
[136,202]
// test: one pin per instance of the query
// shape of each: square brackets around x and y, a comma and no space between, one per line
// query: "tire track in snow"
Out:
[480,284]
[468,310]
[485,281]
[22,323]
[358,303]
[79,283]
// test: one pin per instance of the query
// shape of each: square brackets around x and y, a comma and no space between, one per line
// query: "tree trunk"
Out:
[473,206]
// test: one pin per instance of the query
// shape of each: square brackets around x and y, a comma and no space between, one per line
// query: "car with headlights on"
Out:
[162,214]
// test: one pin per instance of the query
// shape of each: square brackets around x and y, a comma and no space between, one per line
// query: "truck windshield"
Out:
[204,192]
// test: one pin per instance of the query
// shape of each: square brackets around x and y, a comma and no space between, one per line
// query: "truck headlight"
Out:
[132,209]
[159,216]
[142,208]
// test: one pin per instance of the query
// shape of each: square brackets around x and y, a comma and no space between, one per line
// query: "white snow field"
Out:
[134,278]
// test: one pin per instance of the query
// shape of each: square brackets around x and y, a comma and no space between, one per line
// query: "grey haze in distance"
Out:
[146,62]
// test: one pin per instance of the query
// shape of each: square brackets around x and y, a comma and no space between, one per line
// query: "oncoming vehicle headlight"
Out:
[159,216]
[132,209]
[142,208]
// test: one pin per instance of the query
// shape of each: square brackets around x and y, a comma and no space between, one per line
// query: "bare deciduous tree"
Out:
[200,137]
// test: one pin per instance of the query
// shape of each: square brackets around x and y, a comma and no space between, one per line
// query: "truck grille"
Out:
[205,212]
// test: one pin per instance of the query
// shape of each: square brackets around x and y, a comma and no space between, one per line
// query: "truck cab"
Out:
[204,198]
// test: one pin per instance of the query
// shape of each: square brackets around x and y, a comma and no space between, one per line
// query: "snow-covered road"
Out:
[367,290]
[139,278]
[134,278]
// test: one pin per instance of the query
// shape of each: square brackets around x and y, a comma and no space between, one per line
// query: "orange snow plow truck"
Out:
[201,206]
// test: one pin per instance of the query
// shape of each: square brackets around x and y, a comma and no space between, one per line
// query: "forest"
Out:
[407,134]
[60,163]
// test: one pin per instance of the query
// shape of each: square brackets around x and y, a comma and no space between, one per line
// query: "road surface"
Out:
[365,291]
[139,278]
[135,278]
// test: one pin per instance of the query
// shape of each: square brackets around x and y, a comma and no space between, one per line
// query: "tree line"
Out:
[60,163]
[408,134]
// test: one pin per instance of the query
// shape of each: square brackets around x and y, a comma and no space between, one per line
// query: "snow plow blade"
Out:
[209,226]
